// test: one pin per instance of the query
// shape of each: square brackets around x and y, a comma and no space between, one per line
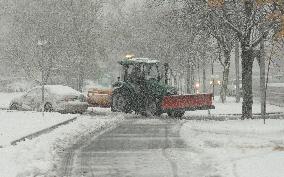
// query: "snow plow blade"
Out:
[187,102]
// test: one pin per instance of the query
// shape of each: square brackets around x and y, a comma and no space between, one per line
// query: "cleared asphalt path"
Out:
[136,148]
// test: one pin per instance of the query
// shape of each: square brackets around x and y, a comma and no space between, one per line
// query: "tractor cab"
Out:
[138,70]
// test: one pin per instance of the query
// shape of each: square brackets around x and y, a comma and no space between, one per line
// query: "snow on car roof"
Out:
[61,90]
[139,60]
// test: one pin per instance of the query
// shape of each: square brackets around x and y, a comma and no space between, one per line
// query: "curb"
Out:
[43,131]
[223,117]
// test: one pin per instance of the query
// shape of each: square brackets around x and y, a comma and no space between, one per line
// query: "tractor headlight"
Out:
[117,85]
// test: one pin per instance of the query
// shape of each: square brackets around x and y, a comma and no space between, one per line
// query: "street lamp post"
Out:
[41,43]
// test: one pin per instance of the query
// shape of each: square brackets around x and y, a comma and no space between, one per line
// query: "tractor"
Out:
[144,89]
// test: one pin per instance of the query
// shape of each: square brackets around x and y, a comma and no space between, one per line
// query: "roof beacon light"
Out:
[129,56]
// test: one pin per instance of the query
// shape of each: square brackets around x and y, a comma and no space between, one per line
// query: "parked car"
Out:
[57,98]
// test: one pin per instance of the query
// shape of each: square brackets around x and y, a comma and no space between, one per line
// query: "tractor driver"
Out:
[136,75]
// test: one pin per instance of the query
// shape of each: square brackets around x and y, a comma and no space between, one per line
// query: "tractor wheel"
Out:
[153,108]
[120,103]
[176,114]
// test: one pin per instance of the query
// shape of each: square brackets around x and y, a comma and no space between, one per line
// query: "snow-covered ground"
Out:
[275,84]
[231,107]
[238,148]
[17,124]
[5,98]
[232,148]
[37,157]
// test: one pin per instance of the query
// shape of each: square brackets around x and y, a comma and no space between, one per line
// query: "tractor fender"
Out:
[123,88]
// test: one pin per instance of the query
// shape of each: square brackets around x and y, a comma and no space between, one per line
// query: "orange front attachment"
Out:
[99,97]
[187,101]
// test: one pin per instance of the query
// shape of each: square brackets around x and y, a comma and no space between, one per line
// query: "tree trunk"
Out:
[224,88]
[81,79]
[262,80]
[192,79]
[226,66]
[188,79]
[204,90]
[237,67]
[247,63]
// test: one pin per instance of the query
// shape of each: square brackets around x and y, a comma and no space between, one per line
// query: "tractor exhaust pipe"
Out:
[166,65]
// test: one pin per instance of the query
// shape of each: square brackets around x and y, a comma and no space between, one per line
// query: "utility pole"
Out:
[237,68]
[41,43]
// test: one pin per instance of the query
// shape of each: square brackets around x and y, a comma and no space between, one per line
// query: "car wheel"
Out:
[14,106]
[48,107]
[120,103]
[176,114]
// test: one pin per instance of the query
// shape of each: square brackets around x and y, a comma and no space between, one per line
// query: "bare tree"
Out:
[248,19]
[70,30]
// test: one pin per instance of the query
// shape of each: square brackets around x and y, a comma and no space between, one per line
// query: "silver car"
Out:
[57,98]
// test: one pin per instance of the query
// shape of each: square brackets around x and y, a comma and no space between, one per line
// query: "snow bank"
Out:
[238,148]
[38,156]
[231,107]
[6,98]
[17,124]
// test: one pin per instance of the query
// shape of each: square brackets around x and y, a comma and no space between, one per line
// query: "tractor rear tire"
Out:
[120,103]
[153,108]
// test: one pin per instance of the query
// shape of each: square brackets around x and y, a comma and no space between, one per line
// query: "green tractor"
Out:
[145,90]
[141,89]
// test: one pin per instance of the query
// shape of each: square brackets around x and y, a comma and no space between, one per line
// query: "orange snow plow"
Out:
[99,97]
[187,102]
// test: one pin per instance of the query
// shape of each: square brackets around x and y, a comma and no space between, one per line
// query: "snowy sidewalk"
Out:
[238,148]
[17,124]
[39,156]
